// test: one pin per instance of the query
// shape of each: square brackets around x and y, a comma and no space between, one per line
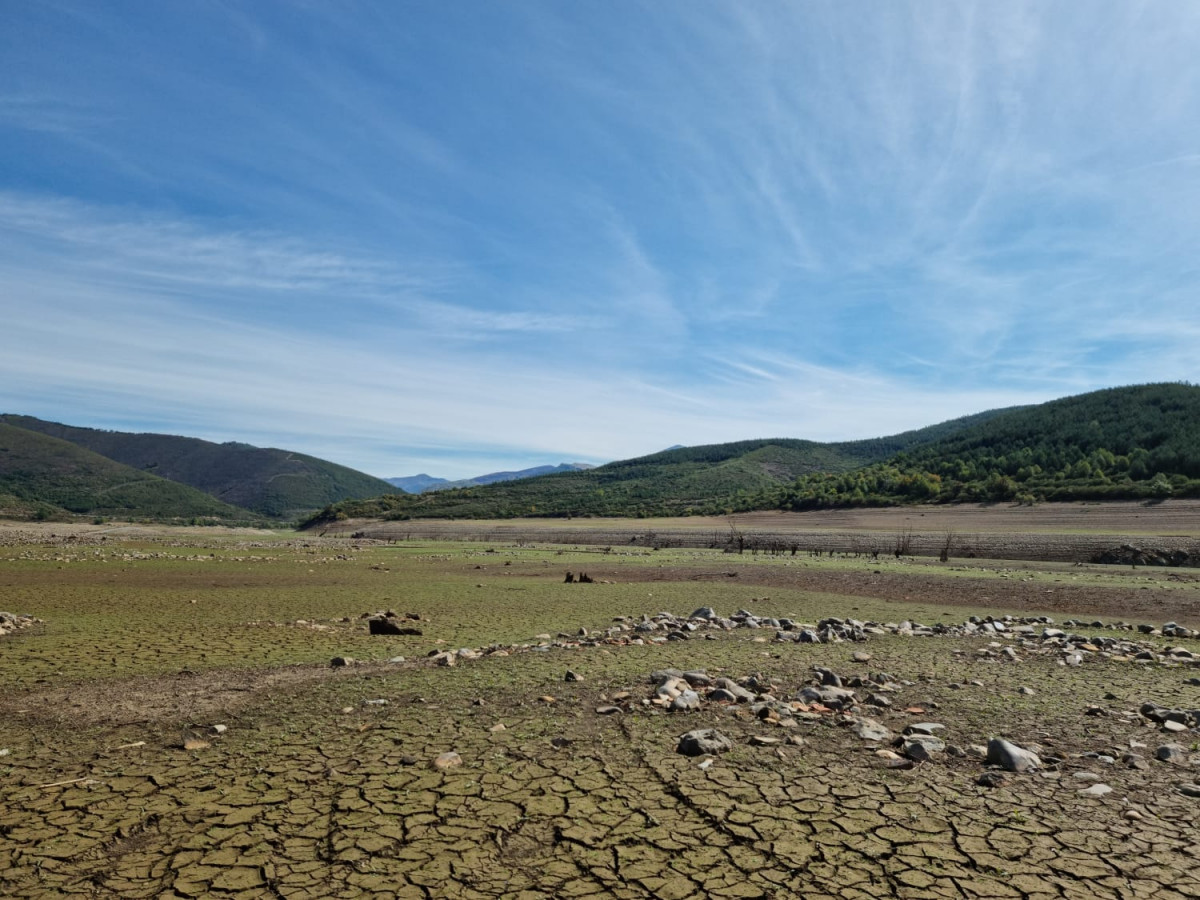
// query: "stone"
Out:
[447,760]
[1190,790]
[871,730]
[339,661]
[687,700]
[758,740]
[383,625]
[924,728]
[1172,753]
[572,676]
[607,710]
[1010,757]
[1096,790]
[1134,761]
[703,741]
[921,747]
[991,779]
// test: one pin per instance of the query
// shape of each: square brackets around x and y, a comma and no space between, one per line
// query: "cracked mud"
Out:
[316,788]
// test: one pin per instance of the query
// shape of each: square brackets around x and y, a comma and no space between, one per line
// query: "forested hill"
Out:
[272,482]
[1139,442]
[708,479]
[45,477]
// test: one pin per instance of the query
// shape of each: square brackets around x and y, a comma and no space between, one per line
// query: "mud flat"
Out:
[326,781]
[1063,532]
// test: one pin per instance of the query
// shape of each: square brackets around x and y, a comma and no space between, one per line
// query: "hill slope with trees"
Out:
[45,477]
[275,483]
[704,480]
[1140,442]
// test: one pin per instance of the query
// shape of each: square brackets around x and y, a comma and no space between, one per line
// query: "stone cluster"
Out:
[13,622]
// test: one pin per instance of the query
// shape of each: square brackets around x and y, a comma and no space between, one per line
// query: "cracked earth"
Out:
[324,781]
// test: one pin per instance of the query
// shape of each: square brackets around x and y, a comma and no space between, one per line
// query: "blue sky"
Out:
[460,237]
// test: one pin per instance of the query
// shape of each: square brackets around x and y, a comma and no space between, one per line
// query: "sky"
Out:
[462,237]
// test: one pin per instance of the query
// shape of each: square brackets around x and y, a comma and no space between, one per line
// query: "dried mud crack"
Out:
[325,784]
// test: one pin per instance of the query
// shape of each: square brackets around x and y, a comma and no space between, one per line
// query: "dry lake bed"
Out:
[172,723]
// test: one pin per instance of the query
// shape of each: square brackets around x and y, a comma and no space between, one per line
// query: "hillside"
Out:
[271,482]
[1140,442]
[709,479]
[43,476]
[415,484]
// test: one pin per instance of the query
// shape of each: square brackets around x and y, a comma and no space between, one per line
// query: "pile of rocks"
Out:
[13,622]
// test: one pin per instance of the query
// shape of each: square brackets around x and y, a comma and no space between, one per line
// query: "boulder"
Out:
[703,741]
[1010,757]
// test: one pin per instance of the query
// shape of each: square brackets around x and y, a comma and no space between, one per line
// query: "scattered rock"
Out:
[703,741]
[1172,753]
[991,779]
[572,676]
[1010,757]
[1096,790]
[447,760]
[871,730]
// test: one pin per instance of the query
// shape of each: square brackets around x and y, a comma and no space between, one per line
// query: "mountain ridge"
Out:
[265,480]
[1135,442]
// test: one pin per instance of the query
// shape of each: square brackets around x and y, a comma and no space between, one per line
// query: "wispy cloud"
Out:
[552,232]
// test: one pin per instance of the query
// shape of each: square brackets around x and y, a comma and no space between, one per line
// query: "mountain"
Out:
[419,484]
[275,483]
[1139,442]
[708,479]
[45,477]
[415,484]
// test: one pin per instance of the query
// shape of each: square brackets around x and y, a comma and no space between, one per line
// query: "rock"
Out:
[1190,790]
[871,730]
[572,676]
[383,625]
[607,710]
[921,747]
[704,612]
[1025,691]
[1172,753]
[498,727]
[1010,757]
[860,656]
[833,697]
[758,740]
[1096,790]
[703,741]
[687,700]
[924,728]
[192,741]
[339,661]
[991,780]
[1174,727]
[397,660]
[447,760]
[1134,761]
